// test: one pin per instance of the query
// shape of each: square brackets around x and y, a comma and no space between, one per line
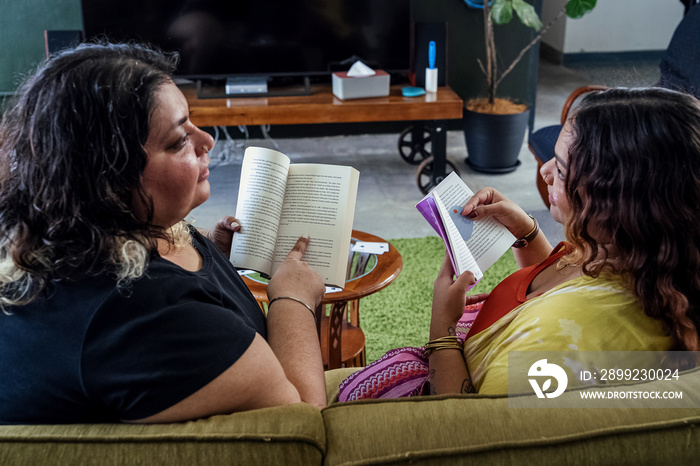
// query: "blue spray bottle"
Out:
[431,72]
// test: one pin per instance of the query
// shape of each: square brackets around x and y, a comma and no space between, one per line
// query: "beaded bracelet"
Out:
[447,342]
[313,313]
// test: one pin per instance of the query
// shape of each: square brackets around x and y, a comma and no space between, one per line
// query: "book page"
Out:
[319,202]
[259,207]
[429,211]
[486,239]
[463,259]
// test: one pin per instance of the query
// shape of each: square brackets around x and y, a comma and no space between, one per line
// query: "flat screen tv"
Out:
[231,38]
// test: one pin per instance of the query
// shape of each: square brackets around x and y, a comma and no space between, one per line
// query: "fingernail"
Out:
[235,225]
[306,237]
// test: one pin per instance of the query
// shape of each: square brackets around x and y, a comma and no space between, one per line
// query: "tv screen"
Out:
[219,38]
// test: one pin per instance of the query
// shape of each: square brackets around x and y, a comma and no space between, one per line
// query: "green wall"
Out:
[22,25]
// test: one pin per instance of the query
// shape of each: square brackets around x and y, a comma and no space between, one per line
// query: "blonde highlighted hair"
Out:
[71,161]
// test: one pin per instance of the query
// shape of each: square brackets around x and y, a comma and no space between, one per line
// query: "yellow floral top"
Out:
[583,314]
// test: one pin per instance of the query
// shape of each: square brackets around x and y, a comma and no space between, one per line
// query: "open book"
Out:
[278,202]
[472,246]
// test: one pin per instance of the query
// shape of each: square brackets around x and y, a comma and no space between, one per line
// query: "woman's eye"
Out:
[180,143]
[559,172]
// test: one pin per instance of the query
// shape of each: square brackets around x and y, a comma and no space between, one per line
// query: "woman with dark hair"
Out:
[625,182]
[115,309]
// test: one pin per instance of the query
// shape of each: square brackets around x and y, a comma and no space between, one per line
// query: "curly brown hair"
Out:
[634,188]
[71,160]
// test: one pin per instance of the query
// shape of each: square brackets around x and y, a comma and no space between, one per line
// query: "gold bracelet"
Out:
[447,338]
[447,342]
[313,313]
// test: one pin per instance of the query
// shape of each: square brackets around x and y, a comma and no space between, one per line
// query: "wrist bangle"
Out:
[447,342]
[527,239]
[313,313]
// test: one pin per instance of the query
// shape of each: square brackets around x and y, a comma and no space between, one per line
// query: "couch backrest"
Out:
[480,429]
[294,434]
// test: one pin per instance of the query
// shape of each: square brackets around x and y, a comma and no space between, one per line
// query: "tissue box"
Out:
[356,87]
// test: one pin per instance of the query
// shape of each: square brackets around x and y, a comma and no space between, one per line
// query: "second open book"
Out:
[472,246]
[278,202]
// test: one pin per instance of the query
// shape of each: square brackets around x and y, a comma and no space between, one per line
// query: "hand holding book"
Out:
[278,202]
[471,245]
[490,203]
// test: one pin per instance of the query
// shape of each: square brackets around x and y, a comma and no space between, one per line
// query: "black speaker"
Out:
[423,33]
[55,41]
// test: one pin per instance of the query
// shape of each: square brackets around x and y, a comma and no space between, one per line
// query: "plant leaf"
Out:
[577,8]
[502,11]
[527,14]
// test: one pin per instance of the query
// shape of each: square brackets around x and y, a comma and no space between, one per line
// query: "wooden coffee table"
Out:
[338,316]
[427,113]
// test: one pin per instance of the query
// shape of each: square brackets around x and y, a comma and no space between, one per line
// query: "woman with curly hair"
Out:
[625,182]
[115,309]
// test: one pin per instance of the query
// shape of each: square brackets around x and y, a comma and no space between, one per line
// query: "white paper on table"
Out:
[370,247]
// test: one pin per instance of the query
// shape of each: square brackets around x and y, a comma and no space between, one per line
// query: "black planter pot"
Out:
[494,141]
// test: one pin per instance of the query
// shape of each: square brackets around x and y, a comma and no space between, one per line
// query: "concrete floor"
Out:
[388,191]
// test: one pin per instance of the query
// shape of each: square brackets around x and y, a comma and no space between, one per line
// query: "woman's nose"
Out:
[546,171]
[206,141]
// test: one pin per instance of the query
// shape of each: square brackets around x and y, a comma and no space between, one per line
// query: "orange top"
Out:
[512,291]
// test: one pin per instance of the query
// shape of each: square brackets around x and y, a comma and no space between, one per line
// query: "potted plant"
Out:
[493,127]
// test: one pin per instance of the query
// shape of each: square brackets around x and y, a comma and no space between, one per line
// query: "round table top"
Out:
[385,271]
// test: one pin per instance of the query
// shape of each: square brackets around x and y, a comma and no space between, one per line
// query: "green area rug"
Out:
[399,315]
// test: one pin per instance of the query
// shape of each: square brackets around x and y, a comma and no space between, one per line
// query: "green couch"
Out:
[463,429]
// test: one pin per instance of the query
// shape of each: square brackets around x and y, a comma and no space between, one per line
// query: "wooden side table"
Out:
[338,316]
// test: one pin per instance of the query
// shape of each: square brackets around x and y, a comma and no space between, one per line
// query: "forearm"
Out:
[292,335]
[448,369]
[449,373]
[534,253]
[537,248]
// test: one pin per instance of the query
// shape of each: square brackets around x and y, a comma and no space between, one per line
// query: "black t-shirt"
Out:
[92,353]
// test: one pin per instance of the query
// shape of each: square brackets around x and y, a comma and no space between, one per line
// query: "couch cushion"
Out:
[480,429]
[333,379]
[266,436]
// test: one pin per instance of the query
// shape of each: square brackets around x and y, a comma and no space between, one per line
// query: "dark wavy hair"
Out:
[71,159]
[634,187]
